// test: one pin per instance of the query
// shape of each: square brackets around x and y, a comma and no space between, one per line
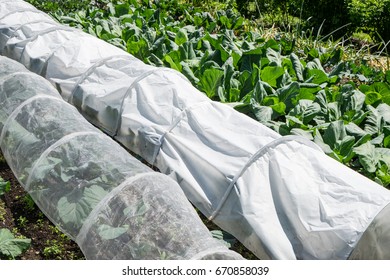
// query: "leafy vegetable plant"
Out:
[10,246]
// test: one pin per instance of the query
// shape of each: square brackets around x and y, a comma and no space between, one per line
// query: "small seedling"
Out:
[53,249]
[22,221]
[5,186]
[2,210]
[29,203]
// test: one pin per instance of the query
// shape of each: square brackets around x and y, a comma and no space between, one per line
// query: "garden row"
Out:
[342,106]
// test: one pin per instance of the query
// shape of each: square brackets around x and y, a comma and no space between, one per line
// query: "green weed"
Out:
[3,212]
[53,250]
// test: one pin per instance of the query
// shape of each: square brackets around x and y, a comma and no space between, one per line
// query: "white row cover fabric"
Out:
[110,203]
[282,197]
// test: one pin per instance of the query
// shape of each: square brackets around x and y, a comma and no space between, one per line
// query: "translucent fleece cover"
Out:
[110,203]
[282,197]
